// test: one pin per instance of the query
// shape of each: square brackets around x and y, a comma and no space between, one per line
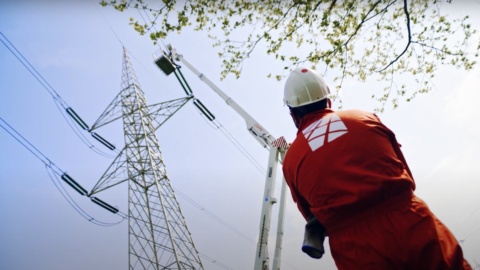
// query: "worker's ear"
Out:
[329,102]
[295,118]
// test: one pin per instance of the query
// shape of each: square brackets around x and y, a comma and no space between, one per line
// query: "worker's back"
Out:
[344,163]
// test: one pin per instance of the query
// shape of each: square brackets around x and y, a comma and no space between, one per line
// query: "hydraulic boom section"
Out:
[277,149]
[258,131]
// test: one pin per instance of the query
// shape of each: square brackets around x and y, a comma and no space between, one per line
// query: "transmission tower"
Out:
[158,234]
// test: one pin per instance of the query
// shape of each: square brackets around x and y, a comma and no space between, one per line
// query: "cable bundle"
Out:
[73,117]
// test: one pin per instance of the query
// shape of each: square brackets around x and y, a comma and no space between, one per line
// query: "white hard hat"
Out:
[304,86]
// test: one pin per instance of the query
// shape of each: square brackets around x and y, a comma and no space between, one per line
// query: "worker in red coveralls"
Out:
[350,181]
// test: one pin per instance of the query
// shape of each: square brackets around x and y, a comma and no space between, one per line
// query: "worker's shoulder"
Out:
[357,114]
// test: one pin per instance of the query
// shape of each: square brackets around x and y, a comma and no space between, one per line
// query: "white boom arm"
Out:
[257,130]
[265,139]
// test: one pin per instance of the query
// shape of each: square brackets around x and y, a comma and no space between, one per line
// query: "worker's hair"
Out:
[309,108]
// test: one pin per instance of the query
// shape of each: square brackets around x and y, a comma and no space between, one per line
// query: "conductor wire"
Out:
[55,171]
[56,97]
[75,206]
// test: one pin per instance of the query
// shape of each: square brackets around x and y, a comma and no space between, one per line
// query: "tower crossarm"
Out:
[160,112]
[112,112]
[116,173]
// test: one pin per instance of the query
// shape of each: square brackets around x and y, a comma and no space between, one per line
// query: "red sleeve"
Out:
[302,204]
[396,147]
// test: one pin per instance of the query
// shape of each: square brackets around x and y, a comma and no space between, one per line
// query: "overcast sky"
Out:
[74,49]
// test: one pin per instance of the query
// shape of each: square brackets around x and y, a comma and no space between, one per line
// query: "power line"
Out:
[215,261]
[82,137]
[34,151]
[221,221]
[153,25]
[56,98]
[465,221]
[54,170]
[235,143]
[108,24]
[58,184]
[54,94]
[469,231]
[241,149]
[224,223]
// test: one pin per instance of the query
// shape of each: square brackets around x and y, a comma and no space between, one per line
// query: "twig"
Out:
[405,7]
[434,48]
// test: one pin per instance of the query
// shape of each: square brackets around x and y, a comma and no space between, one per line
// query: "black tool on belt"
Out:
[314,237]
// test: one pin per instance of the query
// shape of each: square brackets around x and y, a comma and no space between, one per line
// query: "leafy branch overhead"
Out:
[374,39]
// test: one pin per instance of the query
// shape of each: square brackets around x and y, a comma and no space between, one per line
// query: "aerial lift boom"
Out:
[277,149]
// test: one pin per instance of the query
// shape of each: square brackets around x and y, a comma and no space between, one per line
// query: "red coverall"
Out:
[347,169]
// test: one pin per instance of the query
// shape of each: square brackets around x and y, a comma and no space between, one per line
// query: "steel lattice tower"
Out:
[158,234]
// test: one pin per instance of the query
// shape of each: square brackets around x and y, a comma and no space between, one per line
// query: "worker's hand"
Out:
[314,237]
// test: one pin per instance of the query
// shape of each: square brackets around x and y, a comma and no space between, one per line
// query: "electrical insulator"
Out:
[104,205]
[69,180]
[103,141]
[77,118]
[204,110]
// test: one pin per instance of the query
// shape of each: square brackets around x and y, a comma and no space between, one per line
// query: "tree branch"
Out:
[268,31]
[383,11]
[352,35]
[361,23]
[294,30]
[405,7]
[437,49]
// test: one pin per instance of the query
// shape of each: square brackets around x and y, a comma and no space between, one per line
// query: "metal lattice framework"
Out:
[158,234]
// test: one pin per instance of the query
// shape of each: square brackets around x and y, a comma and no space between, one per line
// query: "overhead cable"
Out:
[108,23]
[50,89]
[55,174]
[73,117]
[239,146]
[209,115]
[206,211]
[58,184]
[215,261]
[80,135]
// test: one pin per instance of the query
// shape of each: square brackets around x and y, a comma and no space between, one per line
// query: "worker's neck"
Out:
[298,120]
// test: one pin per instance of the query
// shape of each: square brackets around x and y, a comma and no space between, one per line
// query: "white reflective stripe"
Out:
[319,131]
[332,136]
[336,118]
[334,126]
[316,132]
[316,143]
[312,126]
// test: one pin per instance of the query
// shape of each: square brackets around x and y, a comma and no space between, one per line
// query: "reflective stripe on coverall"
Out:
[347,169]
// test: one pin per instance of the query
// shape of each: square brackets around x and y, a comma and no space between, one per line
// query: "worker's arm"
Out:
[398,151]
[301,202]
[396,146]
[314,231]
